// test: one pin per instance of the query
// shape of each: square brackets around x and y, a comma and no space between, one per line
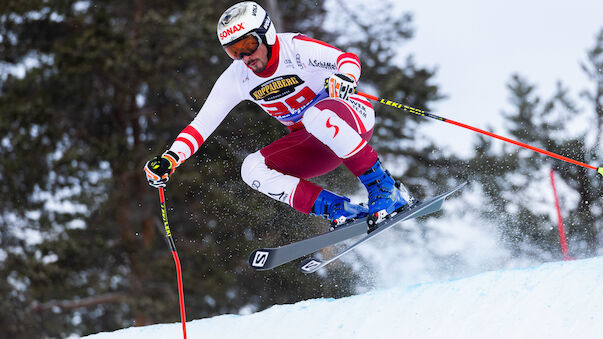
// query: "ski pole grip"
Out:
[600,170]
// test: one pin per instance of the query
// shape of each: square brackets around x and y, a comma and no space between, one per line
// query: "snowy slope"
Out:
[554,300]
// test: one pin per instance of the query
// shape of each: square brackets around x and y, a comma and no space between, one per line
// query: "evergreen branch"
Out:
[77,303]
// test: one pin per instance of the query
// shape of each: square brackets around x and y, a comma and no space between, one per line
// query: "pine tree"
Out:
[89,91]
[513,179]
[417,162]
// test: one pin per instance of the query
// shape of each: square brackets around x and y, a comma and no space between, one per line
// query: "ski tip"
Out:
[310,265]
[461,185]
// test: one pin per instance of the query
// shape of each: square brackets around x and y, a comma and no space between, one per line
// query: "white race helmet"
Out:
[243,18]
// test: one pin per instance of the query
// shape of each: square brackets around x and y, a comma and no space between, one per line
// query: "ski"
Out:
[421,208]
[269,258]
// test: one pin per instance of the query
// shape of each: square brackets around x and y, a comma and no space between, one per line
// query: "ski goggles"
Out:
[246,45]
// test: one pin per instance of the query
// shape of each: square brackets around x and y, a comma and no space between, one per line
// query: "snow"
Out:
[553,300]
[417,251]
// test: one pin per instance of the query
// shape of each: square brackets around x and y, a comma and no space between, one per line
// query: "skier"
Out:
[287,74]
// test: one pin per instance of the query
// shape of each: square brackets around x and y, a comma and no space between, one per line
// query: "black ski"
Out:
[269,258]
[421,208]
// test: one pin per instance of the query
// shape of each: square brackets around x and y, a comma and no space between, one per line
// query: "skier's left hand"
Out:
[340,86]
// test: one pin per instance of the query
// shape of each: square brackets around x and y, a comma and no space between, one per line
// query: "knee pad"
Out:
[310,117]
[333,131]
[252,164]
[273,183]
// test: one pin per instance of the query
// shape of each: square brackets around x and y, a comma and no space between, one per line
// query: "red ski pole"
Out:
[436,117]
[168,235]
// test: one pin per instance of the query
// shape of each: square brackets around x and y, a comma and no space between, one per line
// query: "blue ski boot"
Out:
[337,209]
[386,196]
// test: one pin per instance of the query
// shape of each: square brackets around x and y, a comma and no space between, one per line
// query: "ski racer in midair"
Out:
[286,74]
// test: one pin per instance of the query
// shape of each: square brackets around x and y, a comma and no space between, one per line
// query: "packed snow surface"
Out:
[553,300]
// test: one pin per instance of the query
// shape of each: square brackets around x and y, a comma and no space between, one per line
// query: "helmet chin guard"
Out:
[242,19]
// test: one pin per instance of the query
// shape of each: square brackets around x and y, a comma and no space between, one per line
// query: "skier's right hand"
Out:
[159,169]
[340,85]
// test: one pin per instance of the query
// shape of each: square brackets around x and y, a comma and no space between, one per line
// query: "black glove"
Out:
[159,169]
[340,86]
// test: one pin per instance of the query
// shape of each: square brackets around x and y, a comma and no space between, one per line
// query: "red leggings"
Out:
[301,155]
